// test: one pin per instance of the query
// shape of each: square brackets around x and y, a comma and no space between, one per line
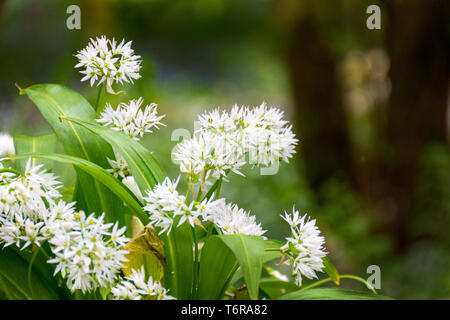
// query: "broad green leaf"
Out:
[331,270]
[144,167]
[249,252]
[100,175]
[268,256]
[55,101]
[36,260]
[14,275]
[331,294]
[180,258]
[217,266]
[147,250]
[10,291]
[29,144]
[276,288]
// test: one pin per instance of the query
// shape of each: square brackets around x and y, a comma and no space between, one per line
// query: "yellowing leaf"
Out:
[147,250]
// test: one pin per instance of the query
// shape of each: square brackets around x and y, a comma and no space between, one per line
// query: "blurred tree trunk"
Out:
[319,111]
[418,46]
[98,17]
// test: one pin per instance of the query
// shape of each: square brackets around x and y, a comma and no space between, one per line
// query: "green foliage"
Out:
[331,294]
[27,144]
[192,262]
[100,175]
[249,252]
[180,257]
[275,288]
[331,270]
[18,283]
[55,101]
[217,265]
[143,165]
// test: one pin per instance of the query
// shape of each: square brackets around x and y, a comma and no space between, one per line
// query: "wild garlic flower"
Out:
[6,145]
[88,254]
[119,167]
[131,119]
[23,231]
[207,156]
[135,287]
[305,246]
[231,219]
[130,182]
[107,61]
[121,170]
[23,205]
[27,191]
[164,204]
[86,251]
[225,139]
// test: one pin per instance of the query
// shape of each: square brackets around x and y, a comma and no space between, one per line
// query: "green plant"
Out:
[192,246]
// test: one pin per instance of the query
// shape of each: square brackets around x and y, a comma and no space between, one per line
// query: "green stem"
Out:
[216,195]
[272,249]
[44,252]
[215,186]
[97,101]
[196,264]
[188,190]
[210,230]
[10,170]
[30,268]
[346,276]
[199,195]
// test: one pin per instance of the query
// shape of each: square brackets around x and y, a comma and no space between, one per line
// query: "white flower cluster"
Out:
[207,156]
[164,204]
[85,251]
[231,219]
[23,205]
[304,247]
[135,287]
[6,145]
[131,119]
[107,61]
[225,138]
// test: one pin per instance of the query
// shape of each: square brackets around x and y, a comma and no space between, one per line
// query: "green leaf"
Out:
[249,252]
[331,294]
[217,266]
[29,144]
[101,176]
[144,167]
[331,270]
[55,101]
[14,275]
[10,291]
[180,258]
[268,256]
[275,288]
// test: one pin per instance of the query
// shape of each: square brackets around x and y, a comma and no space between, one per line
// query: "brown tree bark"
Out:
[319,110]
[418,46]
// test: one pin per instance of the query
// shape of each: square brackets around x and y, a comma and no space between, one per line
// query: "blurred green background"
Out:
[370,108]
